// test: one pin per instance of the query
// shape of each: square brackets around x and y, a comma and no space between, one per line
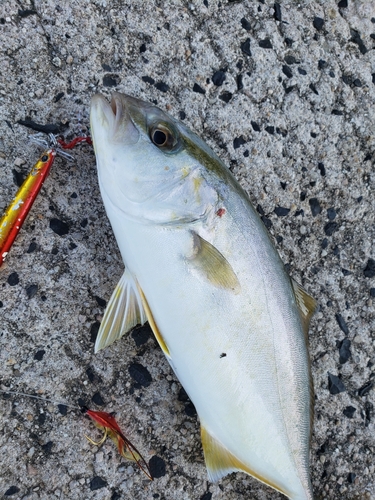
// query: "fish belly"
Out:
[241,357]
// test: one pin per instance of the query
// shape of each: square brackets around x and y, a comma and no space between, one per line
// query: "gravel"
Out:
[284,93]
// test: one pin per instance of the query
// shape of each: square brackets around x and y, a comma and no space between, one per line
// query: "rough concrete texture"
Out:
[294,118]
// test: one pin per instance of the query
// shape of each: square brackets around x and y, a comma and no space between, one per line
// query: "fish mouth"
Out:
[115,117]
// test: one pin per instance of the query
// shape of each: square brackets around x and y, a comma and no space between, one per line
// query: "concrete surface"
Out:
[294,119]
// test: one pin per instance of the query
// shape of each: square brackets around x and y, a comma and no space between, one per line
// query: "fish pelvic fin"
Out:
[220,461]
[124,311]
[212,265]
[150,318]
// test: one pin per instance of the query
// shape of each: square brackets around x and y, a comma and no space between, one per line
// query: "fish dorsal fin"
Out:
[220,461]
[212,264]
[306,304]
[150,318]
[124,311]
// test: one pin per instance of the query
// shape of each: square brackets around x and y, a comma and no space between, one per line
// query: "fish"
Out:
[202,269]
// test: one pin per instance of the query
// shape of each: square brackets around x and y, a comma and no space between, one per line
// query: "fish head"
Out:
[149,164]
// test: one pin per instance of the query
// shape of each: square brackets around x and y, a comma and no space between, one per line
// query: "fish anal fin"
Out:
[220,461]
[124,311]
[212,265]
[150,318]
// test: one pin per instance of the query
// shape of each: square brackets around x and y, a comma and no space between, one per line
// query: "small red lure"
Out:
[107,422]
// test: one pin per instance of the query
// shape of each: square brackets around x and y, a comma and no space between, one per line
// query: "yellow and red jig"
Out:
[17,211]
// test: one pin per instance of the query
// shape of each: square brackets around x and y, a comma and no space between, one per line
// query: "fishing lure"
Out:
[107,422]
[17,211]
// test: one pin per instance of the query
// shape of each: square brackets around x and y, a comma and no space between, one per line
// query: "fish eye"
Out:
[159,137]
[163,137]
[44,158]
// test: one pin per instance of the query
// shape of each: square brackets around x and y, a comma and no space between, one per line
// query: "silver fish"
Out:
[201,268]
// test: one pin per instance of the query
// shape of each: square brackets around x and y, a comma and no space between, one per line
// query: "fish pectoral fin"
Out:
[150,318]
[212,265]
[306,304]
[220,461]
[124,311]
